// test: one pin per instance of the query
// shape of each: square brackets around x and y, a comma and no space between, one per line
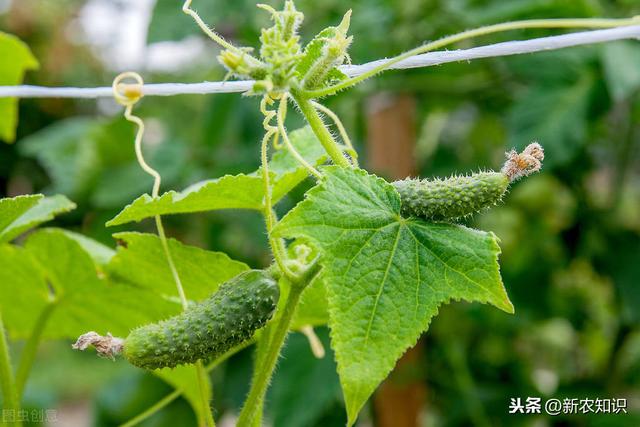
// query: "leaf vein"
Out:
[446,265]
[384,280]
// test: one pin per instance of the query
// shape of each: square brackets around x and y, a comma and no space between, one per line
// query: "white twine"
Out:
[423,60]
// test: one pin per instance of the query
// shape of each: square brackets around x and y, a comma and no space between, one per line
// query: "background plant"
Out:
[455,150]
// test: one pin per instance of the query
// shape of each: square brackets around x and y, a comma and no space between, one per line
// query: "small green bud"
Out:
[241,65]
[280,45]
[290,20]
[231,60]
[333,53]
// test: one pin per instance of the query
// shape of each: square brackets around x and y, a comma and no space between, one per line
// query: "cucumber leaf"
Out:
[53,272]
[232,191]
[386,275]
[22,213]
[141,261]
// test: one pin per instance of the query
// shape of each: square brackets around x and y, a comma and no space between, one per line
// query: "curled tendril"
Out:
[271,131]
[128,95]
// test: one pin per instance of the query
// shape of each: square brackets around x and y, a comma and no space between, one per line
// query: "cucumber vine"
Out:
[386,255]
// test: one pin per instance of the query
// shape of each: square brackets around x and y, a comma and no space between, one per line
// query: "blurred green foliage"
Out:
[570,236]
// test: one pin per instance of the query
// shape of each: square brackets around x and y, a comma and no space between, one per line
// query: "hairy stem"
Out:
[343,132]
[31,347]
[326,139]
[263,376]
[9,395]
[282,114]
[202,384]
[260,353]
[186,8]
[469,34]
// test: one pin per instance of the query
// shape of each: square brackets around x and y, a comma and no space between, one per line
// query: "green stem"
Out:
[469,34]
[263,376]
[282,114]
[202,384]
[326,139]
[10,397]
[341,129]
[31,348]
[261,351]
[186,8]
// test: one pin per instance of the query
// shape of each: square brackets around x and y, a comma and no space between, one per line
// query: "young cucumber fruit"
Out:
[207,329]
[459,196]
[451,198]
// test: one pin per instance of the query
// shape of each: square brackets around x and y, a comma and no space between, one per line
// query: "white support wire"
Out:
[424,60]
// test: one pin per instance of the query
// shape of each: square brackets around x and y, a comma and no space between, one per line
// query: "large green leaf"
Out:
[16,60]
[231,191]
[86,300]
[100,253]
[22,213]
[53,269]
[23,293]
[141,261]
[386,275]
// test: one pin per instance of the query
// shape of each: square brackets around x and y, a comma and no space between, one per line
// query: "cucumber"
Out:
[450,198]
[207,329]
[459,196]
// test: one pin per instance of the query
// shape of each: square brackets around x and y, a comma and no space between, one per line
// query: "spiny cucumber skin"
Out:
[450,198]
[209,328]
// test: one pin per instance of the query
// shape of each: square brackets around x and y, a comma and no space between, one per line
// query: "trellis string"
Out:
[424,60]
